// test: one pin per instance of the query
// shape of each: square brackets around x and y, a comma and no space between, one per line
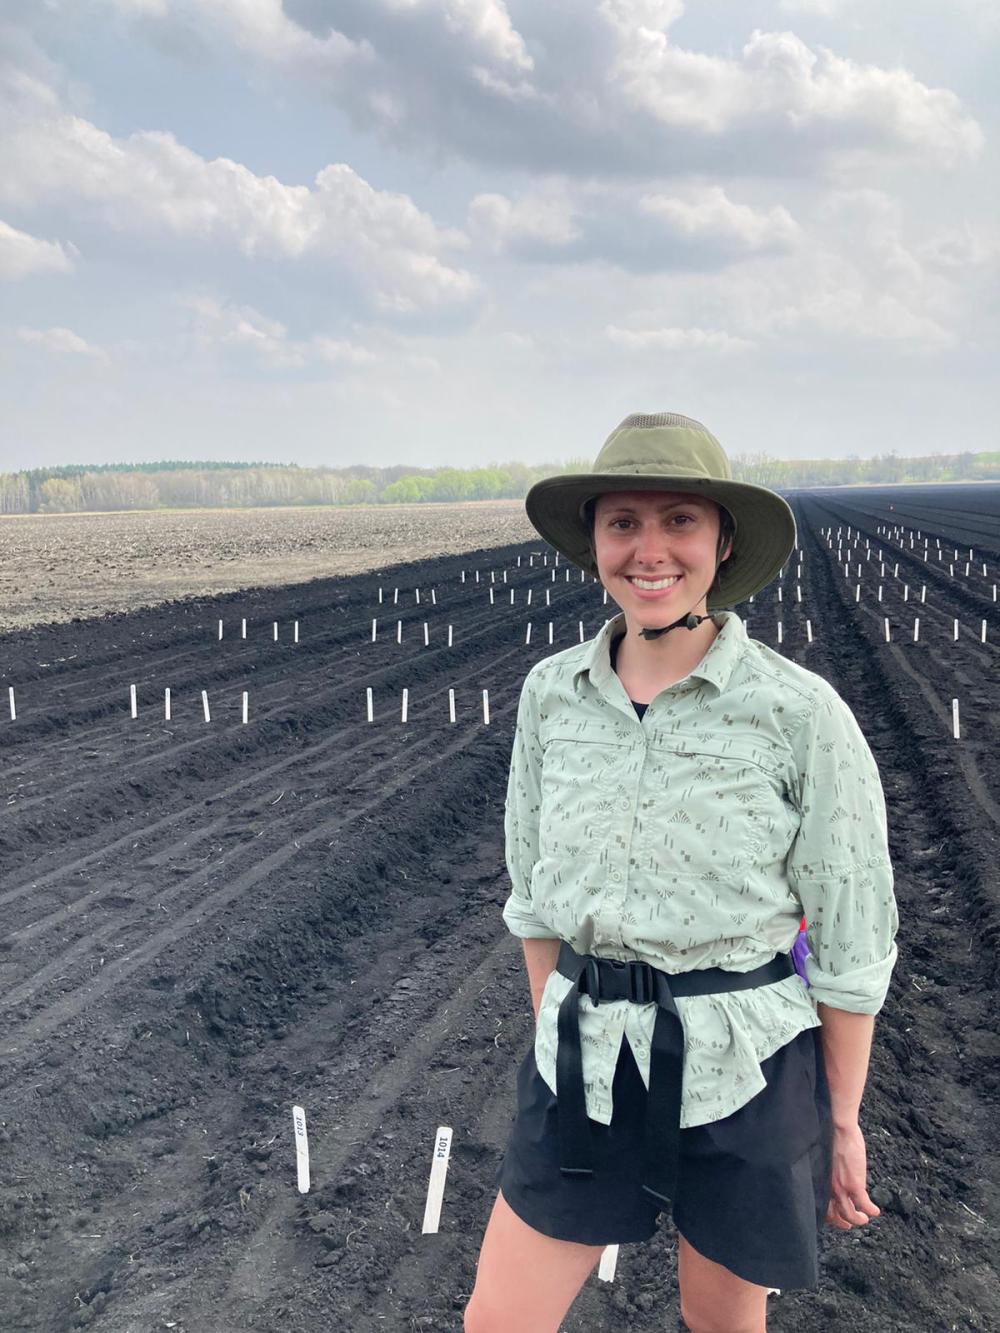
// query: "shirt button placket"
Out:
[634,773]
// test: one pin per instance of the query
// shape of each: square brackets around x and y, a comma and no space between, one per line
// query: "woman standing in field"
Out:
[679,796]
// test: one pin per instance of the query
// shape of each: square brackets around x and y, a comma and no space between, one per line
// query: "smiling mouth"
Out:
[652,585]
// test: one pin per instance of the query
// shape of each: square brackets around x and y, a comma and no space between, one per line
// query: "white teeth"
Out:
[650,585]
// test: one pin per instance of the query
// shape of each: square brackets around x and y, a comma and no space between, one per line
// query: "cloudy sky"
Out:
[463,231]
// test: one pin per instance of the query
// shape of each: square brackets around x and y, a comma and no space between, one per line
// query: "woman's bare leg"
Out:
[525,1281]
[714,1300]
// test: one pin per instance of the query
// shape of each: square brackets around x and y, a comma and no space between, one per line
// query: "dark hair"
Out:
[727,530]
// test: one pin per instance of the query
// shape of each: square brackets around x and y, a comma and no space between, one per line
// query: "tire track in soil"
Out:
[69,1006]
[318,765]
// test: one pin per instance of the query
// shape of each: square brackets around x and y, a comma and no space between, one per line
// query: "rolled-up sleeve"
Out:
[521,815]
[839,862]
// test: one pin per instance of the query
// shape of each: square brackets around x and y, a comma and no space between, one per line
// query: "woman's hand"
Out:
[849,1204]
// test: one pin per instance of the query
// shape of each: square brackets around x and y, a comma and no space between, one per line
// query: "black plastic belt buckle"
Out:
[640,982]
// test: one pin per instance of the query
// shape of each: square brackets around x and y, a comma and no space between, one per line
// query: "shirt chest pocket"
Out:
[708,813]
[583,789]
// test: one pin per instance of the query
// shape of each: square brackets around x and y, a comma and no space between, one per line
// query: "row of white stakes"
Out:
[440,1157]
[207,711]
[906,598]
[898,534]
[798,598]
[134,704]
[604,599]
[405,703]
[895,569]
[404,709]
[892,533]
[527,632]
[906,586]
[503,578]
[604,602]
[427,633]
[416,591]
[274,630]
[868,554]
[955,630]
[923,599]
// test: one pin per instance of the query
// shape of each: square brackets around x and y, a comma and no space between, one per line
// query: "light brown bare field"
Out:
[54,567]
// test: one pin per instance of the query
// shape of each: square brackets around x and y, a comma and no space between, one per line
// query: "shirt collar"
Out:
[716,666]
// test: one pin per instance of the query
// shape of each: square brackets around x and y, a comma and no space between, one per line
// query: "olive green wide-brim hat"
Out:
[664,451]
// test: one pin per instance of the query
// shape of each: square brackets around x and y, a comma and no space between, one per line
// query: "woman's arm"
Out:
[847,1041]
[840,868]
[847,1045]
[540,957]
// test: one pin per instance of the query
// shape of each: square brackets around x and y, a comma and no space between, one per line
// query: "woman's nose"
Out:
[652,546]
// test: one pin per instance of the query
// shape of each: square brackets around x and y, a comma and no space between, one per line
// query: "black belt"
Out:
[609,979]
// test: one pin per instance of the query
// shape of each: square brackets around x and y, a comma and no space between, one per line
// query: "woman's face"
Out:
[656,552]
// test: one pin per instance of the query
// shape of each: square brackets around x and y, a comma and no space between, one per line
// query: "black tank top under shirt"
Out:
[639,708]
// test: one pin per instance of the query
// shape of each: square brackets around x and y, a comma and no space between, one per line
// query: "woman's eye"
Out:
[679,520]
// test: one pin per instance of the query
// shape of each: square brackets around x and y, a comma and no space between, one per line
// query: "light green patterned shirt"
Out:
[698,837]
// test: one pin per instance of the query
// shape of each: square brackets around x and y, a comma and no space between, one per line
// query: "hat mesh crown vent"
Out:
[650,420]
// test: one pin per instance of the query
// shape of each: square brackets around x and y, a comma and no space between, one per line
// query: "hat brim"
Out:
[765,525]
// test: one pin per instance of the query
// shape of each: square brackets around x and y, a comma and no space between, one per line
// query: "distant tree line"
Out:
[185,485]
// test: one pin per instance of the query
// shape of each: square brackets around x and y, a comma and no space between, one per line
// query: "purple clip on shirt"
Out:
[800,952]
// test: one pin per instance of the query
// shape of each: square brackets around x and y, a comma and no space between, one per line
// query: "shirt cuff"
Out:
[860,991]
[521,921]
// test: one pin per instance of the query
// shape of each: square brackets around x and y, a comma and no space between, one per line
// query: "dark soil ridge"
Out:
[320,701]
[232,660]
[122,1206]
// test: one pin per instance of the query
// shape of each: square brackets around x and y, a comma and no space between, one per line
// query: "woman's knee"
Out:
[714,1300]
[525,1281]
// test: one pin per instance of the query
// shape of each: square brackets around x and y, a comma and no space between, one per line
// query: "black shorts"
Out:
[752,1188]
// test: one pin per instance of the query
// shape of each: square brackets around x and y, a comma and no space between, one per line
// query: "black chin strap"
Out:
[689,622]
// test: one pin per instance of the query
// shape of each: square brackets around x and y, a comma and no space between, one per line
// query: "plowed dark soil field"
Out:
[206,923]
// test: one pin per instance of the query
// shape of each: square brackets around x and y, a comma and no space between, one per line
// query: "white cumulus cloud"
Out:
[584,88]
[149,183]
[217,324]
[780,86]
[712,216]
[61,341]
[22,254]
[696,227]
